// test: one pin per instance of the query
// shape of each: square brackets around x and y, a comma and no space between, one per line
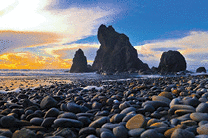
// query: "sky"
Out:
[44,34]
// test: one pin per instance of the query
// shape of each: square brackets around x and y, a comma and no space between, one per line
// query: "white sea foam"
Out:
[93,87]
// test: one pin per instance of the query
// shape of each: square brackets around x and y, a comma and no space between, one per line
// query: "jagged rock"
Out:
[116,54]
[172,61]
[79,63]
[201,69]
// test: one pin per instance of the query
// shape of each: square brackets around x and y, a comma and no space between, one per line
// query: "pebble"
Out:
[125,109]
[138,121]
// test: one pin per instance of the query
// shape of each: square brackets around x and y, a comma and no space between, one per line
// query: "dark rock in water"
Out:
[201,69]
[116,54]
[79,63]
[172,61]
[48,102]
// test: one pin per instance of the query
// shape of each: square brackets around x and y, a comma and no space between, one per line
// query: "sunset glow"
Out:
[44,34]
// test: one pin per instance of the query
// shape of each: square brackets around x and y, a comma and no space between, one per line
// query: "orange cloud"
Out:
[10,40]
[30,61]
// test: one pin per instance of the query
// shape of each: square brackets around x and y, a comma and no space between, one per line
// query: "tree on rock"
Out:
[116,52]
[172,61]
[79,63]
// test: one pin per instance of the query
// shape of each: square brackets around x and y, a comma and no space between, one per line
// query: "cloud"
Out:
[33,23]
[68,51]
[27,60]
[193,47]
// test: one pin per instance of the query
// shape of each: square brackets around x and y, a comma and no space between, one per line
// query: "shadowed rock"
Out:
[79,63]
[201,69]
[116,54]
[172,61]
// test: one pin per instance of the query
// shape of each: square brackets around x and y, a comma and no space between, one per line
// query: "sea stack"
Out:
[172,61]
[79,62]
[116,54]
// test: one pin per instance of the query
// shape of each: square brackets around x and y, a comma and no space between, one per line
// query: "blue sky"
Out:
[55,29]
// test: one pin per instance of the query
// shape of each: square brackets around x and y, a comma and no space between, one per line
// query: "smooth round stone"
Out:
[91,136]
[156,104]
[5,132]
[102,113]
[201,136]
[191,101]
[127,117]
[107,134]
[174,121]
[53,112]
[65,132]
[149,108]
[159,124]
[127,110]
[8,121]
[138,121]
[150,133]
[184,117]
[48,102]
[87,131]
[124,105]
[85,120]
[182,133]
[36,121]
[48,122]
[68,115]
[96,105]
[110,126]
[117,118]
[161,98]
[65,122]
[74,108]
[99,122]
[192,129]
[199,116]
[24,133]
[85,114]
[120,132]
[202,108]
[136,132]
[202,123]
[189,123]
[152,121]
[174,101]
[203,130]
[166,94]
[181,112]
[184,107]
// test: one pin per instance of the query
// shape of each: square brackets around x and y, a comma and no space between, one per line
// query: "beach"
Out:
[125,108]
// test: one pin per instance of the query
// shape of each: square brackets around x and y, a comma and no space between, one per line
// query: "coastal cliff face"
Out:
[116,54]
[172,61]
[79,63]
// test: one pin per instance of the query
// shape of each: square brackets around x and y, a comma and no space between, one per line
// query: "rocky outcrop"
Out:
[79,63]
[116,54]
[201,69]
[172,61]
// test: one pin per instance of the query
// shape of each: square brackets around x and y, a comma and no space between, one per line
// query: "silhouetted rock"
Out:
[116,54]
[172,61]
[79,63]
[201,69]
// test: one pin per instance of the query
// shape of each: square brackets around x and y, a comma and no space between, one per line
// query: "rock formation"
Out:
[172,61]
[201,69]
[79,63]
[116,54]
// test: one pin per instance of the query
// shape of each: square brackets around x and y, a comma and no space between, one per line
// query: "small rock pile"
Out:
[169,107]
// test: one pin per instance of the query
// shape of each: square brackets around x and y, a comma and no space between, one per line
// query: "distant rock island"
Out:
[172,61]
[79,63]
[116,54]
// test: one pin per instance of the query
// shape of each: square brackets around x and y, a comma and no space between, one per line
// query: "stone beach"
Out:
[163,107]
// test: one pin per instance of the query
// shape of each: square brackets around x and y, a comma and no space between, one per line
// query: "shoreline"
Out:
[164,106]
